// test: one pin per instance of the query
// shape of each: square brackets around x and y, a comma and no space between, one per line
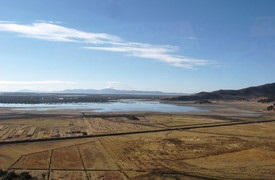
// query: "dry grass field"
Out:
[103,125]
[95,157]
[185,146]
[34,161]
[66,158]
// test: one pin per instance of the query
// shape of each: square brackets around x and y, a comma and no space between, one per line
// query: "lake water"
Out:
[116,106]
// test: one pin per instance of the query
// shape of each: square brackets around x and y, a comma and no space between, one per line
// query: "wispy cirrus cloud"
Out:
[163,53]
[53,32]
[103,42]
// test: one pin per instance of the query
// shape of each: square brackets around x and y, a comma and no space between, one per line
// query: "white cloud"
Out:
[111,84]
[157,53]
[103,42]
[53,32]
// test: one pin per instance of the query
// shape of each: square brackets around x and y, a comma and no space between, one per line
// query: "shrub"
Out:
[2,173]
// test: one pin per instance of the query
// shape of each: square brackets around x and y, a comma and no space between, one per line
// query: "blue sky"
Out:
[167,45]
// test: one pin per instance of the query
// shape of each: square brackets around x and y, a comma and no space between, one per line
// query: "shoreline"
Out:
[225,108]
[214,105]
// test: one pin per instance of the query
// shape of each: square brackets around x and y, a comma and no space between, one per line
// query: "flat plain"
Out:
[233,140]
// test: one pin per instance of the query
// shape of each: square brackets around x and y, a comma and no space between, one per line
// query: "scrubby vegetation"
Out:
[270,108]
[5,175]
[132,117]
[204,101]
[267,100]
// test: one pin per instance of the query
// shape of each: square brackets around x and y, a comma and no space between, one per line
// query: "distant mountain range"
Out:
[266,90]
[115,91]
[78,96]
[100,91]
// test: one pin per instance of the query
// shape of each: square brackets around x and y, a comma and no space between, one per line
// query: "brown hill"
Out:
[266,90]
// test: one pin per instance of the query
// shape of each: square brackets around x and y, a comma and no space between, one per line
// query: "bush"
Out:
[10,176]
[25,176]
[5,175]
[2,173]
[267,100]
[270,108]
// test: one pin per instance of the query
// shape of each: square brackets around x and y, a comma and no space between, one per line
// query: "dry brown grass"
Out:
[66,158]
[235,152]
[106,175]
[12,152]
[72,175]
[245,164]
[95,157]
[39,160]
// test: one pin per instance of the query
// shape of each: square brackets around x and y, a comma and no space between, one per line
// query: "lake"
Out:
[115,106]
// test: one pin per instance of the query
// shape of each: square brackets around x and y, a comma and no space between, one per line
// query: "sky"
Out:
[185,46]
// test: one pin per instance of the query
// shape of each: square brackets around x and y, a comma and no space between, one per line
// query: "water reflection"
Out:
[115,106]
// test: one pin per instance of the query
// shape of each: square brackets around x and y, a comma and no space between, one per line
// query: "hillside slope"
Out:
[266,90]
